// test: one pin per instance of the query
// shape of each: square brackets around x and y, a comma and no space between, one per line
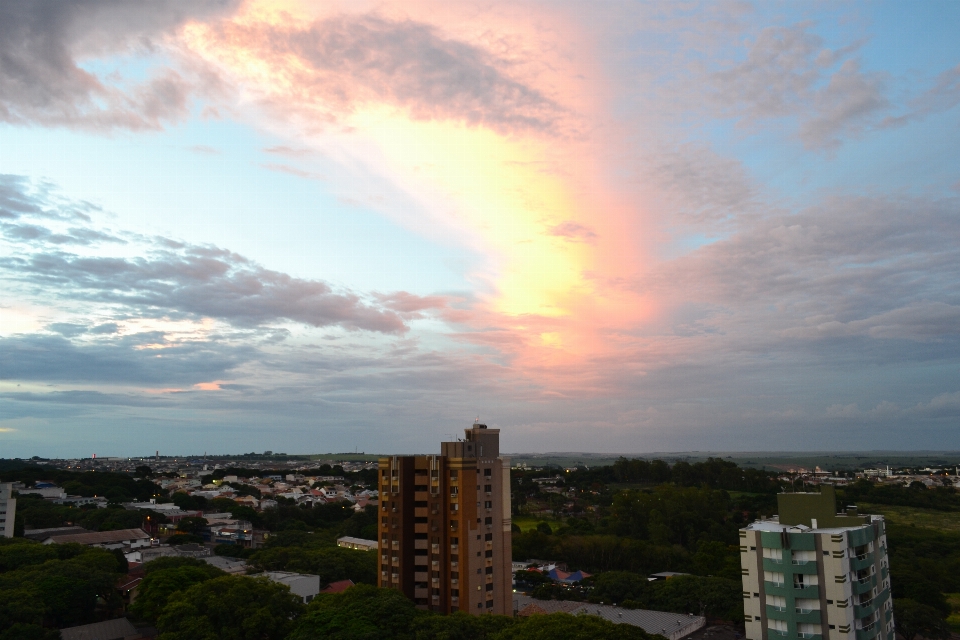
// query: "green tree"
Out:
[613,587]
[913,618]
[330,563]
[459,626]
[191,525]
[362,612]
[714,597]
[159,585]
[230,608]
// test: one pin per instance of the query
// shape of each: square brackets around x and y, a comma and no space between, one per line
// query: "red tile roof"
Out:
[337,587]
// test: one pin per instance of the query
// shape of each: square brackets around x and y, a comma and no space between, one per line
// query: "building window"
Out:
[488,521]
[488,504]
[488,488]
[489,536]
[488,473]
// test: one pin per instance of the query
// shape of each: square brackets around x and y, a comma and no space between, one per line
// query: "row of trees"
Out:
[188,601]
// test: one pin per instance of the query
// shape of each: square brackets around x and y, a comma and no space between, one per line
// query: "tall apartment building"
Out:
[8,510]
[445,526]
[812,573]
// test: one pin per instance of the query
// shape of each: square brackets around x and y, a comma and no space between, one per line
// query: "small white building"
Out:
[303,585]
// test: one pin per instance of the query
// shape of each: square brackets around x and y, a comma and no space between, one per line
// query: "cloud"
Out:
[43,43]
[177,278]
[119,361]
[345,62]
[788,73]
[942,96]
[573,231]
[404,302]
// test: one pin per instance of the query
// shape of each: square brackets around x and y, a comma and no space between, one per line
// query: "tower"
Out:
[8,510]
[810,572]
[445,528]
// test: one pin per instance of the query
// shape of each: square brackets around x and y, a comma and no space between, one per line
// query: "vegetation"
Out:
[368,613]
[54,586]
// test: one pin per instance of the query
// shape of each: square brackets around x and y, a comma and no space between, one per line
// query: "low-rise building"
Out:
[347,542]
[126,539]
[672,626]
[303,585]
[119,629]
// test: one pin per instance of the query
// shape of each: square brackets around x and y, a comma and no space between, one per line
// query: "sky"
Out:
[617,227]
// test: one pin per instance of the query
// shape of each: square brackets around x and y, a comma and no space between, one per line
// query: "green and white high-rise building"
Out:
[812,573]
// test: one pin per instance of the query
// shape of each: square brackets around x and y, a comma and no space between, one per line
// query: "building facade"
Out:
[812,573]
[445,523]
[8,510]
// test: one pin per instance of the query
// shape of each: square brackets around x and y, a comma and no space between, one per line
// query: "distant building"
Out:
[126,539]
[303,585]
[44,490]
[672,626]
[813,573]
[8,510]
[338,587]
[346,542]
[119,629]
[665,575]
[230,565]
[445,537]
[42,534]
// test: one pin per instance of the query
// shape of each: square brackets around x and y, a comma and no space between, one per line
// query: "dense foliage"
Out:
[54,585]
[368,613]
[230,608]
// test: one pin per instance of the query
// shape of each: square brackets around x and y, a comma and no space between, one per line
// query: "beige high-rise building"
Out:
[8,510]
[812,573]
[445,526]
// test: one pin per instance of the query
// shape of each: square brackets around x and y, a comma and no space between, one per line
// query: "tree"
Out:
[362,612]
[614,587]
[564,625]
[913,618]
[330,563]
[160,584]
[191,525]
[230,608]
[714,597]
[460,626]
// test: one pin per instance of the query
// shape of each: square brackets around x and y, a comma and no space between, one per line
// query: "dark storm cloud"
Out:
[43,42]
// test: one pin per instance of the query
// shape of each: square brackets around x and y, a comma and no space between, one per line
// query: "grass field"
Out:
[926,518]
[529,523]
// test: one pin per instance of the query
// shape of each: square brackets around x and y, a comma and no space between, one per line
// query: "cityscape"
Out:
[479,320]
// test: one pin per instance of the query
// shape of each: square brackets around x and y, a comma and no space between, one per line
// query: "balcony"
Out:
[861,562]
[811,616]
[868,632]
[864,585]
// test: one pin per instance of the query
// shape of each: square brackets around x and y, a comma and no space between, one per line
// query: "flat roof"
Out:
[773,525]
